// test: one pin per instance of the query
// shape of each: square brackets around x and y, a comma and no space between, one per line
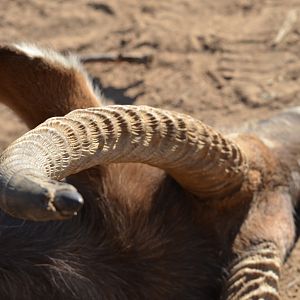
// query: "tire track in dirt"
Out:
[256,73]
[259,73]
[282,4]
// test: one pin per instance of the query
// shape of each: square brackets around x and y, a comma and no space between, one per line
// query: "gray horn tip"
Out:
[40,199]
[68,203]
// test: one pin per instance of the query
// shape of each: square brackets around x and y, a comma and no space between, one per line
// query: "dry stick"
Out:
[293,282]
[136,59]
[286,27]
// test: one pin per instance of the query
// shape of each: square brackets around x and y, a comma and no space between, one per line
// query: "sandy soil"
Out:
[216,60]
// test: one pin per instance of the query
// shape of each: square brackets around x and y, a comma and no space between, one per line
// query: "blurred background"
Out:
[223,61]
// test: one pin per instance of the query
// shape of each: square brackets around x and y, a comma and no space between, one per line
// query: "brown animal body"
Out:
[214,221]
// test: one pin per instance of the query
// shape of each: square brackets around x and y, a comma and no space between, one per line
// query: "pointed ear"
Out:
[41,83]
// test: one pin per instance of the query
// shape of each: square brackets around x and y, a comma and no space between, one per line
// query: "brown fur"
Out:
[51,89]
[112,249]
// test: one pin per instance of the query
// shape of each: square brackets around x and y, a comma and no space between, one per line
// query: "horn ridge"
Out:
[199,158]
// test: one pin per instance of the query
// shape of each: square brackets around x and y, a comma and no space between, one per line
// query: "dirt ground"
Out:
[223,61]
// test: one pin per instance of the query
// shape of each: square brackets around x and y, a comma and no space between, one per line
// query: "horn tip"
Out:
[68,203]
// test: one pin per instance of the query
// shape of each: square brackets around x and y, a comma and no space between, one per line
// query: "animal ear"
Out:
[40,83]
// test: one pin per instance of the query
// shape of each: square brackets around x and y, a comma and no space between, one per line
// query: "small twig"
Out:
[293,282]
[216,80]
[286,27]
[136,59]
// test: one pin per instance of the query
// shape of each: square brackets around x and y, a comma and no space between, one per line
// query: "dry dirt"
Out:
[217,60]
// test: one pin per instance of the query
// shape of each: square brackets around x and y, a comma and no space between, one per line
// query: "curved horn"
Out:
[199,158]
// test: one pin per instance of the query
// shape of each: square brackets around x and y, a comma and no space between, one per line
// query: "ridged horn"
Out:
[255,275]
[196,156]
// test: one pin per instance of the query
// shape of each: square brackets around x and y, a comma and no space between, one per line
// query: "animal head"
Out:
[191,187]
